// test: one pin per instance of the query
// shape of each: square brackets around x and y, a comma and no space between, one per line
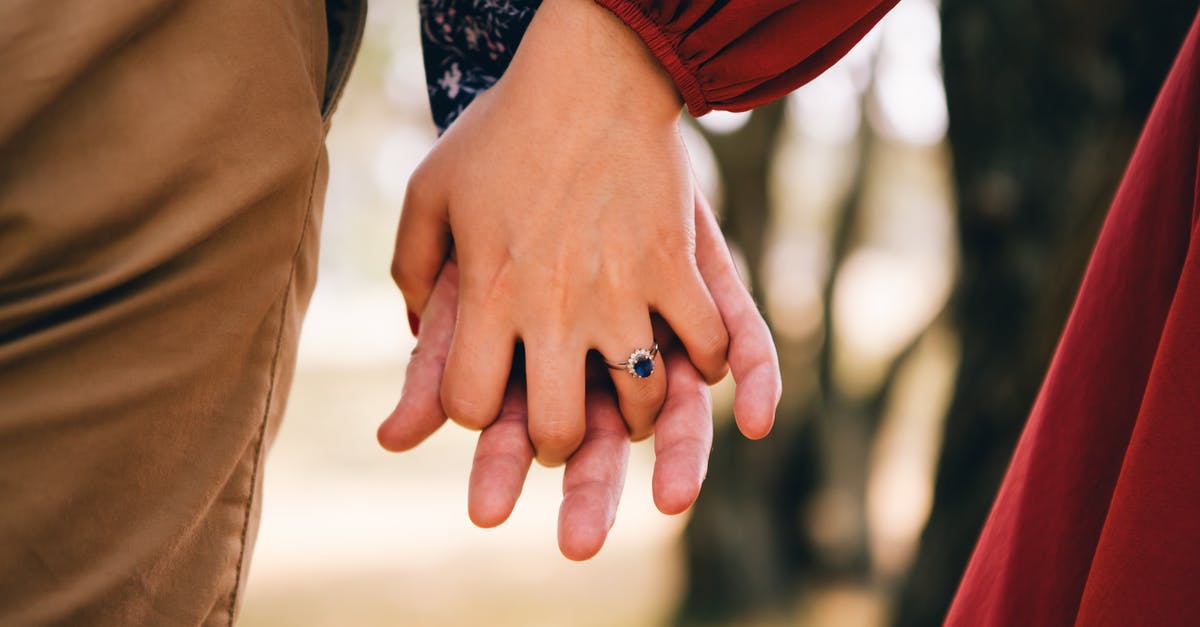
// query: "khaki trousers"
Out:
[162,172]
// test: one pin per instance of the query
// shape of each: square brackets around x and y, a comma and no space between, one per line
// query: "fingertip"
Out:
[383,435]
[494,488]
[683,440]
[755,430]
[409,424]
[390,432]
[755,423]
[756,401]
[393,436]
[487,509]
[502,459]
[593,482]
[581,532]
[679,473]
[580,552]
[391,442]
[715,376]
[674,497]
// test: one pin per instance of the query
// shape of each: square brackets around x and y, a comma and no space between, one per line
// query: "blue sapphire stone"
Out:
[643,367]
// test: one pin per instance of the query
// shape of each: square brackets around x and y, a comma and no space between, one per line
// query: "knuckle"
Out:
[404,276]
[556,439]
[717,375]
[672,239]
[670,256]
[471,413]
[714,342]
[713,346]
[641,432]
[711,340]
[419,188]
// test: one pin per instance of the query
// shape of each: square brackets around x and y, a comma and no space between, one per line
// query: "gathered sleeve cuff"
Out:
[735,55]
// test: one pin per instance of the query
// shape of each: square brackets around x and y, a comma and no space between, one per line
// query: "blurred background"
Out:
[914,223]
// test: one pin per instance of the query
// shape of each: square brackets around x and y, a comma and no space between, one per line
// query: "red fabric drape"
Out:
[1098,519]
[738,54]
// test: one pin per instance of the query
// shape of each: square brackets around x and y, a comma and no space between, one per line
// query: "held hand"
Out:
[567,191]
[594,476]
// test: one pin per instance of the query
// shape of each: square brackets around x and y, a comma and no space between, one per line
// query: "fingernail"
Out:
[414,323]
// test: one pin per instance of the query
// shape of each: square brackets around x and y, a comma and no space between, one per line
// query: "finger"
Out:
[555,382]
[682,437]
[502,459]
[422,240]
[640,397]
[477,366]
[692,314]
[593,480]
[752,356]
[419,412]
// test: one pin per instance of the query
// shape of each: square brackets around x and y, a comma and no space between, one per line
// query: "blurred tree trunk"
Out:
[741,541]
[749,545]
[1046,101]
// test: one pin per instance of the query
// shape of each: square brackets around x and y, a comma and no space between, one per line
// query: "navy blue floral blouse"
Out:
[467,44]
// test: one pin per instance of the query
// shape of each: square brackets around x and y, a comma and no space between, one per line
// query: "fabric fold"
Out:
[736,56]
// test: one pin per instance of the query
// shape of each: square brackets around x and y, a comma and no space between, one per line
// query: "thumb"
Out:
[422,240]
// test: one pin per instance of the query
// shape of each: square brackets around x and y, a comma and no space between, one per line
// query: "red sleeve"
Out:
[738,54]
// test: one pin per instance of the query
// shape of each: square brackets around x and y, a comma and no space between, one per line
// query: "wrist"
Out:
[577,58]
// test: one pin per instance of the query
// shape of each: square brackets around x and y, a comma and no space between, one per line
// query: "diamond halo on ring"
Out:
[640,363]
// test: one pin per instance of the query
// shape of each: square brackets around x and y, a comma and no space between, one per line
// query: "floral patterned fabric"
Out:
[467,44]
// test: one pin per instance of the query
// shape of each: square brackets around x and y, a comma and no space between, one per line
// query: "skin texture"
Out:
[566,194]
[595,474]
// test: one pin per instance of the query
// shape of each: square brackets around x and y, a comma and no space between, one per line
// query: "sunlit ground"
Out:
[352,535]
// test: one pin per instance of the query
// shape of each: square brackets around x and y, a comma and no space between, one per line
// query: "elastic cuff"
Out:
[664,49]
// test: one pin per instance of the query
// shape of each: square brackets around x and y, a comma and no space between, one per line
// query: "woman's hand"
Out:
[595,474]
[566,192]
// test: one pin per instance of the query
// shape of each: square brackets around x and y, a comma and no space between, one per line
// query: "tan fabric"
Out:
[162,171]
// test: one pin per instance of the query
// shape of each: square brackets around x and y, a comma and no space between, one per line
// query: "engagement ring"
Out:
[640,363]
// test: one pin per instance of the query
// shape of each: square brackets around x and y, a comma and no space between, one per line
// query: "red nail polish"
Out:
[414,323]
